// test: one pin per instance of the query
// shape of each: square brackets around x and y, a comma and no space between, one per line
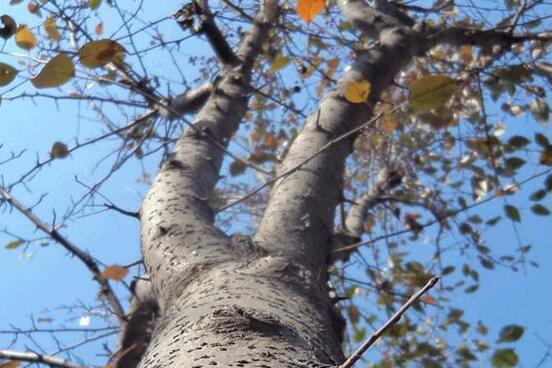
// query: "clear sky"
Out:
[39,280]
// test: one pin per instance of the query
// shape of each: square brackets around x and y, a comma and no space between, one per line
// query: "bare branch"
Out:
[88,261]
[391,322]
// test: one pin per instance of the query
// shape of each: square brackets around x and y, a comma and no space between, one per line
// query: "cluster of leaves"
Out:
[435,123]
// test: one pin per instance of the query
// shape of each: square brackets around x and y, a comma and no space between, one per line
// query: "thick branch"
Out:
[214,35]
[177,219]
[84,257]
[50,360]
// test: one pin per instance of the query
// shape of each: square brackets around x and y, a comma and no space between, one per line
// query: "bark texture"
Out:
[234,301]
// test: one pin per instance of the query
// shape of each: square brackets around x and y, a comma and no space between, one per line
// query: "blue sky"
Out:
[38,280]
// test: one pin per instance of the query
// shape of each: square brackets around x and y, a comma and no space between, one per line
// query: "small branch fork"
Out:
[88,261]
[391,322]
[51,360]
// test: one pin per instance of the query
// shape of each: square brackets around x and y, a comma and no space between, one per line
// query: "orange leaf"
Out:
[9,364]
[309,9]
[428,299]
[114,272]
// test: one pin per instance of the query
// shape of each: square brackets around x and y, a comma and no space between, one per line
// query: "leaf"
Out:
[281,61]
[428,299]
[25,38]
[510,333]
[538,195]
[514,163]
[518,141]
[540,110]
[14,244]
[114,272]
[10,364]
[504,358]
[541,140]
[512,213]
[94,4]
[51,29]
[94,54]
[99,28]
[57,71]
[539,209]
[546,156]
[432,91]
[237,167]
[357,91]
[7,74]
[9,28]
[309,9]
[34,9]
[59,150]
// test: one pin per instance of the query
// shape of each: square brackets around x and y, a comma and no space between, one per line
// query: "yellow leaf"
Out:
[10,364]
[7,74]
[51,29]
[279,62]
[309,9]
[57,71]
[59,150]
[25,38]
[94,4]
[357,92]
[114,272]
[98,53]
[12,245]
[432,91]
[389,125]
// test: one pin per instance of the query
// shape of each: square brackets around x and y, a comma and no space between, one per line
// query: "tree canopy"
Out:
[449,141]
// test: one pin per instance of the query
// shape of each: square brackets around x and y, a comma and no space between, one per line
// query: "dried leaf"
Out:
[10,364]
[94,54]
[357,91]
[309,9]
[114,272]
[7,74]
[59,150]
[94,4]
[9,28]
[12,245]
[56,72]
[279,62]
[25,38]
[51,29]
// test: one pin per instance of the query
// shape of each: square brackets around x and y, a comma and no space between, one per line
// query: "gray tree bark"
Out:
[234,301]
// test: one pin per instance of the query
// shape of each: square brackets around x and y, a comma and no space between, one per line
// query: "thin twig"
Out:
[391,322]
[89,262]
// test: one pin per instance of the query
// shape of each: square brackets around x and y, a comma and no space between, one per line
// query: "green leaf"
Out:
[510,333]
[539,209]
[514,163]
[504,358]
[7,74]
[542,140]
[432,91]
[58,71]
[512,213]
[14,244]
[94,4]
[518,141]
[538,195]
[281,61]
